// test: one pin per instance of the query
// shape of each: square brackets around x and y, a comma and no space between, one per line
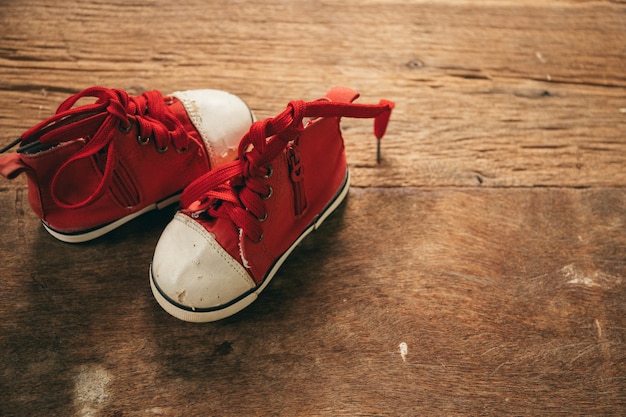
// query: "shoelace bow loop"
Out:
[98,123]
[236,190]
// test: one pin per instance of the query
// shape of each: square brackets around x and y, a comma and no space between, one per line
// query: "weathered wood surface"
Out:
[490,242]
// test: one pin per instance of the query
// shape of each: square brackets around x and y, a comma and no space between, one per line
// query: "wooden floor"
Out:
[480,269]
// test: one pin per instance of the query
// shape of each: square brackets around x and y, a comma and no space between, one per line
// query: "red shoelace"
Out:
[97,124]
[236,190]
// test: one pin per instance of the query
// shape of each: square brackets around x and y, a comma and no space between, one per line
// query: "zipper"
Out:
[296,173]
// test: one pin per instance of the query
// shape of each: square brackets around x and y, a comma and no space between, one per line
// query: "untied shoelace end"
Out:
[380,125]
[10,145]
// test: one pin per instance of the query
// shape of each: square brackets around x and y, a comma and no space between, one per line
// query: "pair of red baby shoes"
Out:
[249,191]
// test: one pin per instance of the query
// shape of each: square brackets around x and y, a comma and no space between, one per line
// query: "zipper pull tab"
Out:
[296,174]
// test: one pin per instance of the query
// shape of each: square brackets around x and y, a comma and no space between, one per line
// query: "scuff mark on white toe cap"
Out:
[192,269]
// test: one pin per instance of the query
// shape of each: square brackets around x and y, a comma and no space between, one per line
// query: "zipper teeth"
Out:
[297,180]
[297,207]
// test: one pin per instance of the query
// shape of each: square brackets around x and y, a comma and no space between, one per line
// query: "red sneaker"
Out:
[94,167]
[239,222]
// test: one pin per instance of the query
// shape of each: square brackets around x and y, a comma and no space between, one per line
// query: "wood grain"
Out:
[489,242]
[502,94]
[509,301]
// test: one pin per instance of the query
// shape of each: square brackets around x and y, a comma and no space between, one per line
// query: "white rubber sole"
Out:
[235,306]
[91,234]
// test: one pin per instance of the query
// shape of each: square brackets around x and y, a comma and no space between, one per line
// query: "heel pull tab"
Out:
[381,112]
[11,166]
[342,95]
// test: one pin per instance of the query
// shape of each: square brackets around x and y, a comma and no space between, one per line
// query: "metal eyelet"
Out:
[269,173]
[269,193]
[163,150]
[143,141]
[125,129]
[182,150]
[260,239]
[262,219]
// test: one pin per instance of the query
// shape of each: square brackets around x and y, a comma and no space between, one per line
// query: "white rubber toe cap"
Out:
[221,118]
[193,277]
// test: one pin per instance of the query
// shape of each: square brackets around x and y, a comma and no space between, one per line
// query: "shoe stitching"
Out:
[236,266]
[194,115]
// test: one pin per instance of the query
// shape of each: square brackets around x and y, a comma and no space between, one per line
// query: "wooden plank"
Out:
[509,301]
[491,94]
[479,270]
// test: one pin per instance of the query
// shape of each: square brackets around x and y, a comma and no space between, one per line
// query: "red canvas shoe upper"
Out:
[92,165]
[240,221]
